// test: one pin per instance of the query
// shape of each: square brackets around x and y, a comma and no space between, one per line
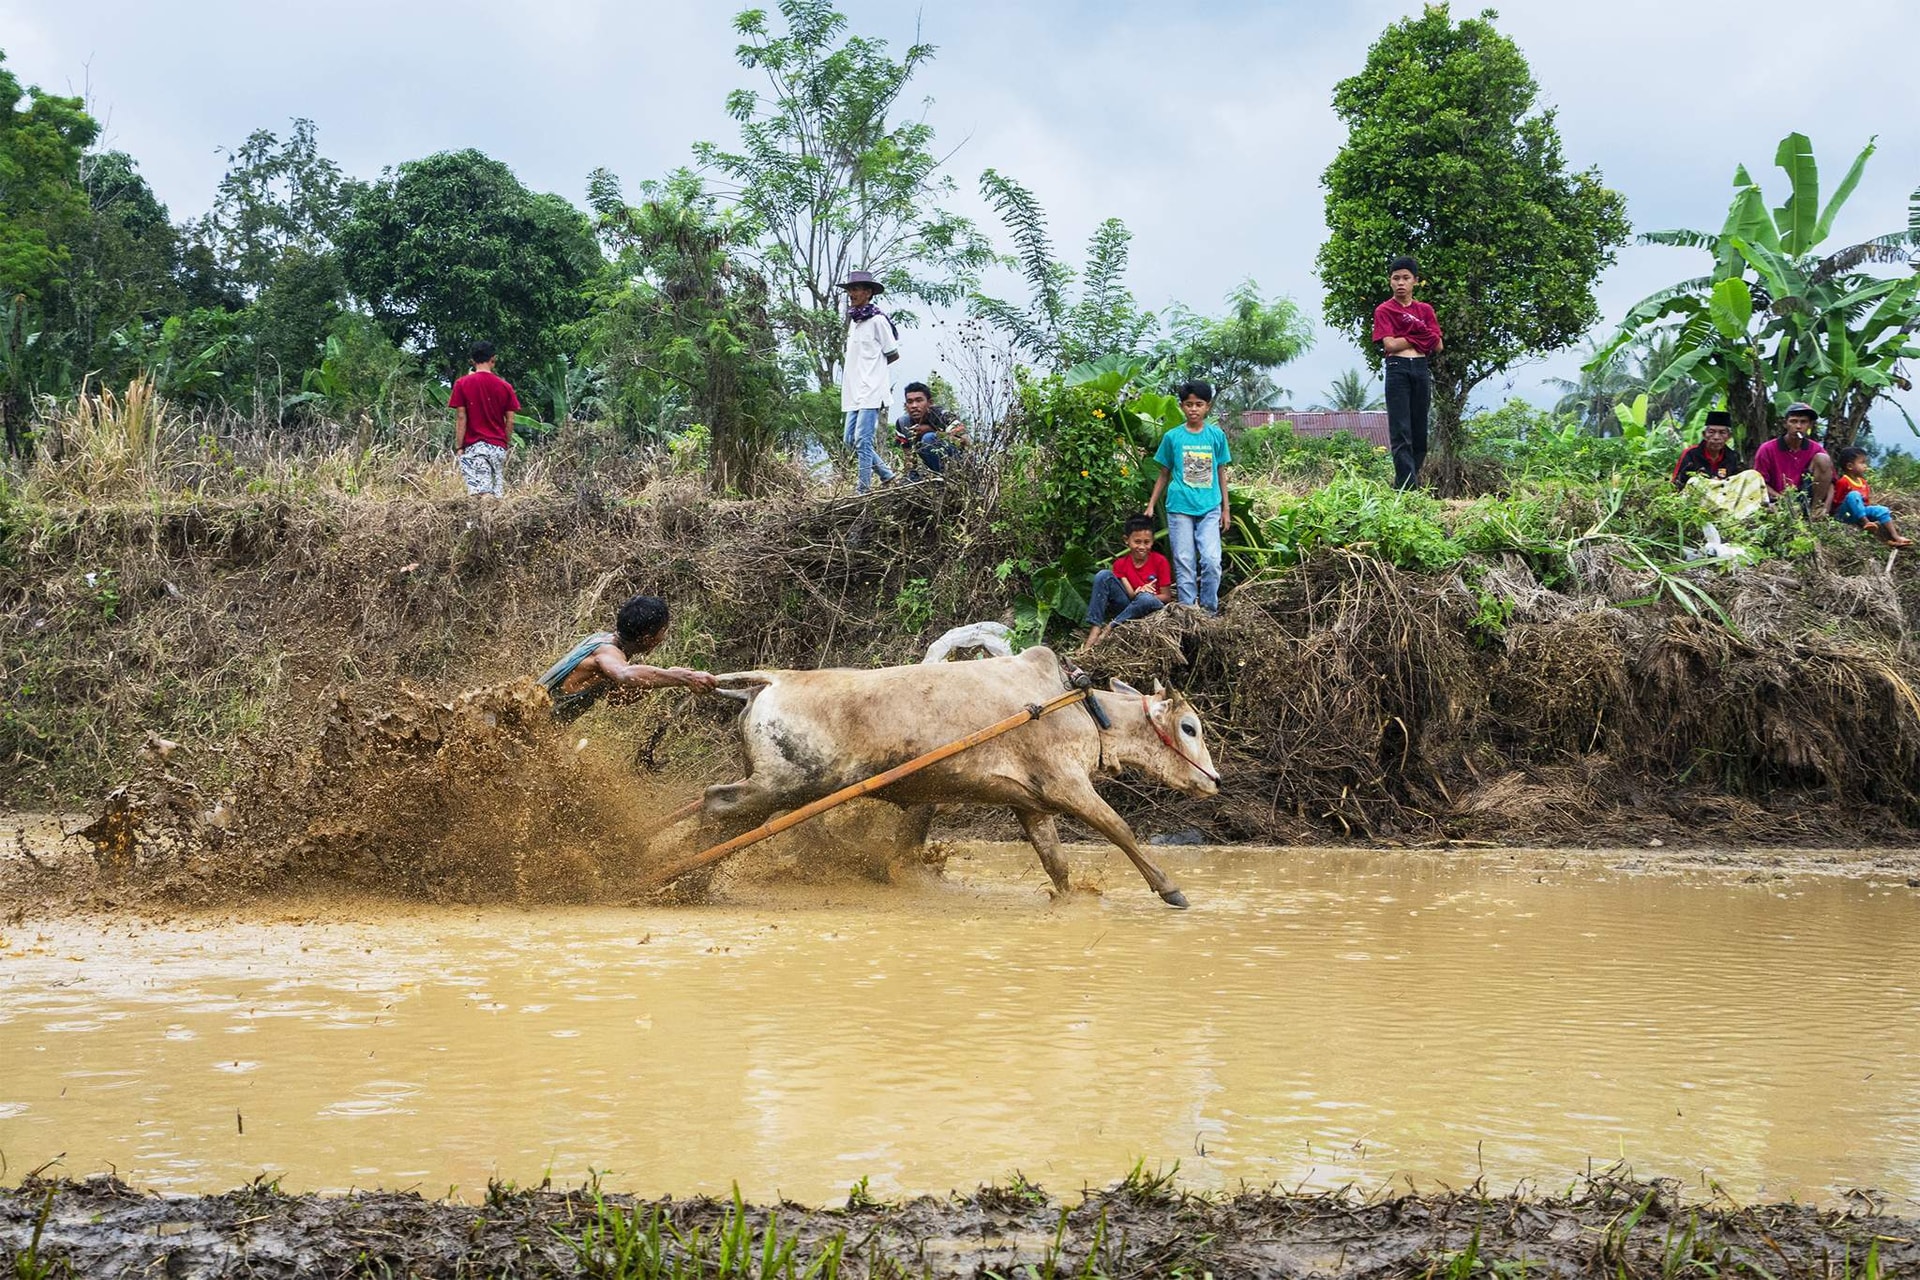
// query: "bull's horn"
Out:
[1159,690]
[1121,686]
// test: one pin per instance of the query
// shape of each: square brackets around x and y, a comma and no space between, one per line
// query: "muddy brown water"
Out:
[1319,1017]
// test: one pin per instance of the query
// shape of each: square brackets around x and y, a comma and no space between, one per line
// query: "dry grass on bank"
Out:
[1352,697]
[1345,698]
[134,445]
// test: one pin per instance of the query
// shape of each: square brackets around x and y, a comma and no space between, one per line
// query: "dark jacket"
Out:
[1694,462]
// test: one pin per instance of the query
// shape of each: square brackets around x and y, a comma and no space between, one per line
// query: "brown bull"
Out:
[809,733]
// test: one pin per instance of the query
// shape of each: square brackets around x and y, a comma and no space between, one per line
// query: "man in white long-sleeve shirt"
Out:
[866,388]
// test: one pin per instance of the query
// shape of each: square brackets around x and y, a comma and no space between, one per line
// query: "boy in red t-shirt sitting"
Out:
[483,404]
[1853,499]
[1140,583]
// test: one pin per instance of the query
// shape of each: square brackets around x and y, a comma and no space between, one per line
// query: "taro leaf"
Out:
[1107,375]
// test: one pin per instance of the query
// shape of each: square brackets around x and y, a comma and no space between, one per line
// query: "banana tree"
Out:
[1777,319]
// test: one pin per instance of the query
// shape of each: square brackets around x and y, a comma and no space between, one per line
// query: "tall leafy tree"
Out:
[453,248]
[1053,328]
[120,274]
[834,182]
[1782,316]
[43,209]
[287,324]
[1236,352]
[276,195]
[42,197]
[1447,159]
[689,324]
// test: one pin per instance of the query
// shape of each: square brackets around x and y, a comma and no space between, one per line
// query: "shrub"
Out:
[1276,452]
[1538,445]
[1090,475]
[1398,526]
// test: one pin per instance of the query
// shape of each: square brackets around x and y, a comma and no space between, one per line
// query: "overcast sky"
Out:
[1206,132]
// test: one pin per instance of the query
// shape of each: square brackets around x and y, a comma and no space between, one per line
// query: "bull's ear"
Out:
[1121,686]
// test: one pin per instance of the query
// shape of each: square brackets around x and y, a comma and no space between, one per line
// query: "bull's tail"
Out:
[741,686]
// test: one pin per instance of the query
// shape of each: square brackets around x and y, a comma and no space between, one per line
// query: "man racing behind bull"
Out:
[602,665]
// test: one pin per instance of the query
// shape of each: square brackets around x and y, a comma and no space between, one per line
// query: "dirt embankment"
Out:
[318,662]
[1611,1228]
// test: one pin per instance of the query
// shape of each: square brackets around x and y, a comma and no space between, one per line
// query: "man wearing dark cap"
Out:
[1715,473]
[1796,464]
[866,388]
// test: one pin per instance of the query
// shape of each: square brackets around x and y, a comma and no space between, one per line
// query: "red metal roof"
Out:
[1369,425]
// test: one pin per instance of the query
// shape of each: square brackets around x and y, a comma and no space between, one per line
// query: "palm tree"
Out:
[1348,394]
[1619,376]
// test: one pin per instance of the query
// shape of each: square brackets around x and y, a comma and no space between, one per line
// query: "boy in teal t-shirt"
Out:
[1194,462]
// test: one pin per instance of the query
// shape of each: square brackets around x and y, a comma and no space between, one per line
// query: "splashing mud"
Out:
[474,800]
[480,799]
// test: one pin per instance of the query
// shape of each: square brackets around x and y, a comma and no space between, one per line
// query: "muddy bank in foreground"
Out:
[1612,1227]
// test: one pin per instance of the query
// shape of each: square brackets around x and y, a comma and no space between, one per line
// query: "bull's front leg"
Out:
[726,810]
[1044,835]
[1086,805]
[910,839]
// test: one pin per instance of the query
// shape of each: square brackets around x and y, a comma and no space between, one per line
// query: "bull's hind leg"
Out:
[1086,805]
[1044,836]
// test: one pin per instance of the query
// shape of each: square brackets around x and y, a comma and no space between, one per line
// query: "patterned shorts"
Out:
[484,468]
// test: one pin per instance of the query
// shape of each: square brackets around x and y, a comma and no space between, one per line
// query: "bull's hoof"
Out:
[1174,898]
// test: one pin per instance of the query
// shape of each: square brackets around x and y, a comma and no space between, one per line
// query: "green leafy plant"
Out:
[1402,527]
[616,1245]
[913,605]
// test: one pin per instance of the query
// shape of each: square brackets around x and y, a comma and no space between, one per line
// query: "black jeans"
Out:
[1409,397]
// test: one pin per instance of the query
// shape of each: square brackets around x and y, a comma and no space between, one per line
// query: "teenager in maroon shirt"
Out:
[1408,332]
[483,403]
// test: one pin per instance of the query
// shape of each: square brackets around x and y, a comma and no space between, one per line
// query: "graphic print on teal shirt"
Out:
[1194,458]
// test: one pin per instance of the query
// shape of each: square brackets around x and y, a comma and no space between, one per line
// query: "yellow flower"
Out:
[1083,475]
[1098,414]
[1125,472]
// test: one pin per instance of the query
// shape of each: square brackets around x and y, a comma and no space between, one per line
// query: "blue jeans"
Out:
[1854,510]
[1196,557]
[861,424]
[1112,600]
[934,449]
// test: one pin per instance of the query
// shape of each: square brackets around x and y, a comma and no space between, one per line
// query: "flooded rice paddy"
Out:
[1319,1017]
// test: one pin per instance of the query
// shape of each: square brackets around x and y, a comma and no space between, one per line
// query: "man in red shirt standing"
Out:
[483,405]
[1408,332]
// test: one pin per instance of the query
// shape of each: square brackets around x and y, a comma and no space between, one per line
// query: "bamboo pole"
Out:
[774,826]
